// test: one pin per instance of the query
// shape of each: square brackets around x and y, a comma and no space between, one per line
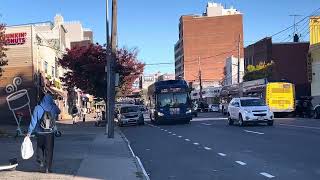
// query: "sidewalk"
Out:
[83,152]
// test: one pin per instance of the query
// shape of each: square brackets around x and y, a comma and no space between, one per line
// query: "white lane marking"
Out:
[221,154]
[241,163]
[209,119]
[143,170]
[207,148]
[187,139]
[267,175]
[206,124]
[169,132]
[196,143]
[173,134]
[254,132]
[165,130]
[179,136]
[306,127]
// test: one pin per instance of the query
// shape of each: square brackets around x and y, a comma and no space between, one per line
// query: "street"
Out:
[210,149]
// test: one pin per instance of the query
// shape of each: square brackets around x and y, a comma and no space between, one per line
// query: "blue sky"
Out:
[152,26]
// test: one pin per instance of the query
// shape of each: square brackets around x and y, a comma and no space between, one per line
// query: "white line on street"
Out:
[241,163]
[173,134]
[207,148]
[169,132]
[267,175]
[254,132]
[196,143]
[187,139]
[306,127]
[206,124]
[209,119]
[179,136]
[165,130]
[221,154]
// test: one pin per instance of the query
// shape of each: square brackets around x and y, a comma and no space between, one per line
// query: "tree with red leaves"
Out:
[86,69]
[3,61]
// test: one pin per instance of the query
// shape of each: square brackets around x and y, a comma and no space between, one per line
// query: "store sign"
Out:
[16,38]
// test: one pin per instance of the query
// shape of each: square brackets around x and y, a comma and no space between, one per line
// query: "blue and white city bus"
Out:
[169,101]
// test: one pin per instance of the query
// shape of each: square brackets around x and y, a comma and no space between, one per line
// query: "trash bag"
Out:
[26,148]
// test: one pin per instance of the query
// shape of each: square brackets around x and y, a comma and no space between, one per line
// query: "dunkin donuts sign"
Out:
[16,38]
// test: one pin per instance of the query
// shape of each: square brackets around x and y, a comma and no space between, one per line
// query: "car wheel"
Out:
[241,123]
[270,123]
[196,115]
[230,121]
[316,113]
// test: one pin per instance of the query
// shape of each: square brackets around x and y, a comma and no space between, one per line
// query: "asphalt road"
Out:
[209,149]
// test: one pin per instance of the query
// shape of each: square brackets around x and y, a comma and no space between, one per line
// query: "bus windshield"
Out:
[172,99]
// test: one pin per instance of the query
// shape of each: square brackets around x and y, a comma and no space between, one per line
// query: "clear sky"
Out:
[152,26]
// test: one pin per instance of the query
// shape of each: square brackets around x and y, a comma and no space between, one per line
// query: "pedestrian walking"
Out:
[83,114]
[43,124]
[74,114]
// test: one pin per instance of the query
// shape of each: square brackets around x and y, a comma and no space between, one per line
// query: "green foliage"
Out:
[57,84]
[260,71]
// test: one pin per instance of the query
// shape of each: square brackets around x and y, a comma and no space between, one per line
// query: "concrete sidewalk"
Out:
[83,152]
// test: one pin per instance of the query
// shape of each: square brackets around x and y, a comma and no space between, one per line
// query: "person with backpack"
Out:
[43,124]
[74,113]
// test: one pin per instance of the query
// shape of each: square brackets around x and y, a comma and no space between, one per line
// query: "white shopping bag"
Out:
[26,148]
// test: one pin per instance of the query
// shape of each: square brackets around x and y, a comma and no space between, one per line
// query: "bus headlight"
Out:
[160,114]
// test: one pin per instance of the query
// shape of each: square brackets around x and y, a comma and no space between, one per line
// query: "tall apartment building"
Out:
[205,41]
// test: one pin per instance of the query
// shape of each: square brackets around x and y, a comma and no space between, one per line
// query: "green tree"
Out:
[3,61]
[260,71]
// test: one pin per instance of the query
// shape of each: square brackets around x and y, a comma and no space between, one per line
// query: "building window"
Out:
[56,69]
[46,67]
[53,72]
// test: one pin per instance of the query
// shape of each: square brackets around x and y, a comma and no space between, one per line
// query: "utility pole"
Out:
[111,72]
[239,41]
[200,78]
[295,27]
[107,68]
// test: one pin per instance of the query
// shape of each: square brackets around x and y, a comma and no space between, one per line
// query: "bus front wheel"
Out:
[317,113]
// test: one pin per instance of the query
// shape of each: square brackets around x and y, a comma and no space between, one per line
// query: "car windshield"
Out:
[129,109]
[252,102]
[172,99]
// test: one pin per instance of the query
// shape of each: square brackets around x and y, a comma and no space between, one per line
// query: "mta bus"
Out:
[169,101]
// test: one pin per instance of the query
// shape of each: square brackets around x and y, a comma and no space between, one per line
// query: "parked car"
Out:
[214,107]
[246,110]
[129,115]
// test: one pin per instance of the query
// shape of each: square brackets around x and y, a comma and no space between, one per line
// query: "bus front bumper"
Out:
[176,118]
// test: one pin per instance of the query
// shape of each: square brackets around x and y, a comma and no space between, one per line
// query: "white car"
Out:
[214,107]
[246,110]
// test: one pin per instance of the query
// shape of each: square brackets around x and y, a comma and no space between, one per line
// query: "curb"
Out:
[137,159]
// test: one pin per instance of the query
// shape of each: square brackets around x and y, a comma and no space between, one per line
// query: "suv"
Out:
[249,110]
[129,114]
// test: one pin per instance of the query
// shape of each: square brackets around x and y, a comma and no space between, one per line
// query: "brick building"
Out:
[290,61]
[205,41]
